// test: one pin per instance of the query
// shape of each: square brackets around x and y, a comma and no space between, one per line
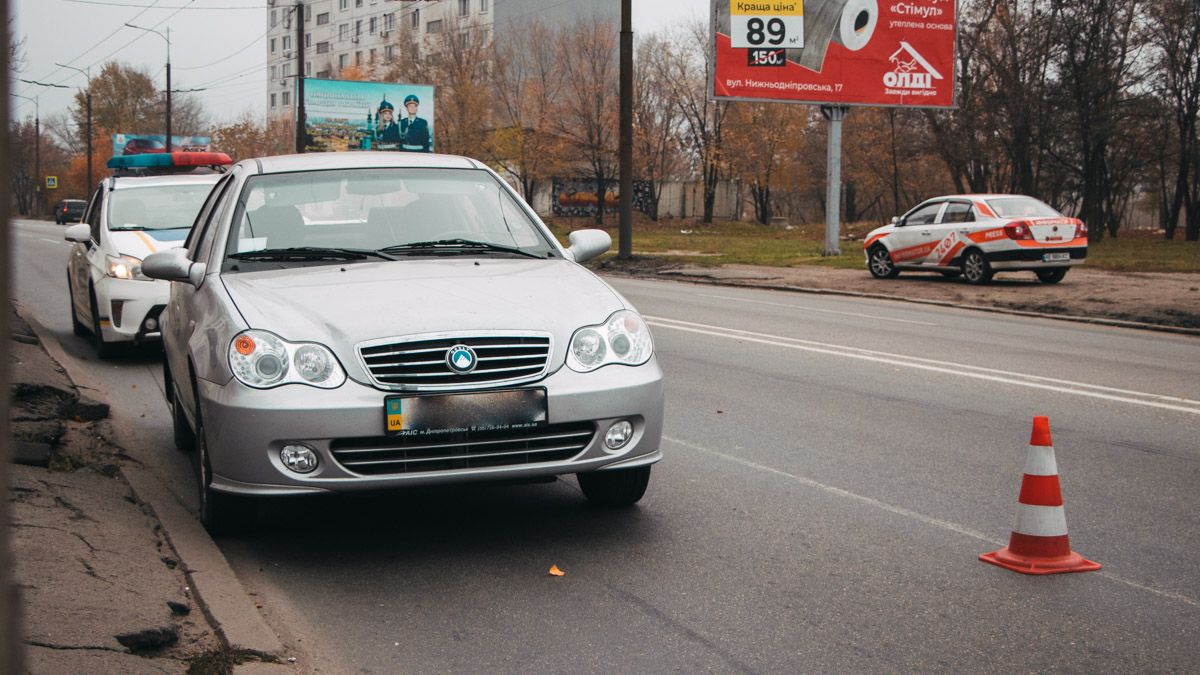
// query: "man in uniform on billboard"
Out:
[387,131]
[414,130]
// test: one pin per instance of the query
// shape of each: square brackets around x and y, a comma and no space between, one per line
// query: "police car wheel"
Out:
[1051,276]
[975,268]
[880,263]
[104,349]
[76,327]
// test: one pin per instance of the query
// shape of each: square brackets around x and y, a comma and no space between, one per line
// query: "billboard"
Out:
[346,115]
[140,144]
[843,52]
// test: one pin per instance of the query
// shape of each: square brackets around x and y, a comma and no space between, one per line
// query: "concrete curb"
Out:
[748,283]
[215,587]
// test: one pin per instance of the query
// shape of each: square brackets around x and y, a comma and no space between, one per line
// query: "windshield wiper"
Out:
[455,247]
[310,253]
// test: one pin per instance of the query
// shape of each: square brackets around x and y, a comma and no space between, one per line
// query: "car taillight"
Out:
[1018,230]
[1080,229]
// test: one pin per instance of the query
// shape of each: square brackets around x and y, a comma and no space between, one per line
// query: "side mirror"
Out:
[173,266]
[80,234]
[896,221]
[587,244]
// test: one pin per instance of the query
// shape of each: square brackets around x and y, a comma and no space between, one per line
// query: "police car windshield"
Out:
[158,207]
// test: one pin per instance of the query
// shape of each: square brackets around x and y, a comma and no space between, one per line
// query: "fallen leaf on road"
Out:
[555,572]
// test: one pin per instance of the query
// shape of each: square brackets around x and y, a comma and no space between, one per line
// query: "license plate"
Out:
[1055,257]
[445,414]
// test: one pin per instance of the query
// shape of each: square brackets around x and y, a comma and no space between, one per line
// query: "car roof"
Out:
[125,182]
[318,161]
[993,195]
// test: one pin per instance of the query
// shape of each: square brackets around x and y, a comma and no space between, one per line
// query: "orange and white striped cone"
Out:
[1039,543]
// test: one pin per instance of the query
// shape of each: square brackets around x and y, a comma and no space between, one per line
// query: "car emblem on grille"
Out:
[461,359]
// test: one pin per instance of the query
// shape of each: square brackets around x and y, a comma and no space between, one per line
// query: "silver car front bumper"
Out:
[246,428]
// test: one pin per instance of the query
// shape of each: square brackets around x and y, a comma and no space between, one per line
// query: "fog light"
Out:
[150,324]
[298,458]
[618,435]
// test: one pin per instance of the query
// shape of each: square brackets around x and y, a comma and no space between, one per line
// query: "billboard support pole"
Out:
[625,155]
[833,175]
[299,19]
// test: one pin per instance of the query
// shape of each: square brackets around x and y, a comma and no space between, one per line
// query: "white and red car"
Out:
[977,236]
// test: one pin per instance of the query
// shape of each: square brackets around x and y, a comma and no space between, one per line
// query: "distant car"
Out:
[129,218]
[141,146]
[69,211]
[977,236]
[364,321]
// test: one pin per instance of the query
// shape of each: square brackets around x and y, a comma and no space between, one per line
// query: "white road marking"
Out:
[53,241]
[814,309]
[946,367]
[906,513]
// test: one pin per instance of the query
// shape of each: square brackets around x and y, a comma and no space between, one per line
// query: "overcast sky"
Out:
[215,44]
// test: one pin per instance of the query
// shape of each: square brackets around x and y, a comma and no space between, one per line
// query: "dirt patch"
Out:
[1165,299]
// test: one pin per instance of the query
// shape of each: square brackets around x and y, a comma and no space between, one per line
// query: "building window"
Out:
[389,21]
[287,70]
[287,42]
[358,28]
[416,18]
[322,47]
[371,26]
[358,3]
[272,45]
[272,100]
[323,18]
[274,72]
[464,7]
[371,56]
[272,18]
[358,58]
[389,53]
[307,13]
[308,68]
[434,26]
[483,6]
[343,32]
[343,60]
[343,5]
[287,98]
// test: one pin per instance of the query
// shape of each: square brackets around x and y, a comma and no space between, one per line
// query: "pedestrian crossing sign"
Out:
[51,182]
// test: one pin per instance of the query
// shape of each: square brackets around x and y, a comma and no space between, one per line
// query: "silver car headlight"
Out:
[624,338]
[263,360]
[124,267]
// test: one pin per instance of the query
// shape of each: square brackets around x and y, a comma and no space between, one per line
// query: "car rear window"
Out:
[1021,207]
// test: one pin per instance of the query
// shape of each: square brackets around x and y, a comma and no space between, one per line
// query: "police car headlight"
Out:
[263,360]
[623,339]
[124,267]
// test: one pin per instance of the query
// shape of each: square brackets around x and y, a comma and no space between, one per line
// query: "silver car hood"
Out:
[343,305]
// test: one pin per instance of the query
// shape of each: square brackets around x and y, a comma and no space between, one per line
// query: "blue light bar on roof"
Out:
[169,160]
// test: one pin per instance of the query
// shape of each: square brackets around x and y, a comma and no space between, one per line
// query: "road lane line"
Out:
[907,513]
[950,368]
[814,309]
[53,241]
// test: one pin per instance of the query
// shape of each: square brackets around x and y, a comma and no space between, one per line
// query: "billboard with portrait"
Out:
[141,144]
[348,115]
[844,52]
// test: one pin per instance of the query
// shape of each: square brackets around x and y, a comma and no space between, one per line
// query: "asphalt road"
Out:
[833,468]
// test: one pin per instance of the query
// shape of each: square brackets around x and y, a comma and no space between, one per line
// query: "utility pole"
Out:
[833,170]
[88,74]
[167,37]
[298,17]
[625,155]
[37,154]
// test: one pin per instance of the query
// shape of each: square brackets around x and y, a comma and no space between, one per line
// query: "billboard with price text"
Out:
[838,52]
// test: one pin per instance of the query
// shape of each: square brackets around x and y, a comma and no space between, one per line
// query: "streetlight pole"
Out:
[625,153]
[166,37]
[88,75]
[37,153]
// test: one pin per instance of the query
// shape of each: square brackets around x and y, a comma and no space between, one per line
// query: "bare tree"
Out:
[656,122]
[1175,36]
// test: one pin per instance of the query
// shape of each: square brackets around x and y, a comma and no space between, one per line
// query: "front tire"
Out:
[77,326]
[879,262]
[618,487]
[104,349]
[975,268]
[1051,276]
[220,513]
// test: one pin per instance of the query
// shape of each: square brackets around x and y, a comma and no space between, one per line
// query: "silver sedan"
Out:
[361,321]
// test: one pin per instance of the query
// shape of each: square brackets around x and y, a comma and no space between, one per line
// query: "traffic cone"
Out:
[1039,543]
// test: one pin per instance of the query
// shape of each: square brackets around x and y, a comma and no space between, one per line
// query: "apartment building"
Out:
[367,33]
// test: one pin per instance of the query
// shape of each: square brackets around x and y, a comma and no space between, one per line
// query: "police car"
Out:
[976,236]
[147,207]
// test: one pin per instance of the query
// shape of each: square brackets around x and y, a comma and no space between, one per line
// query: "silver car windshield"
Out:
[1021,207]
[157,207]
[382,212]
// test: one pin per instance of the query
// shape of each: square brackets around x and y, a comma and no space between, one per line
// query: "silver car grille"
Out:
[386,455]
[420,361]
